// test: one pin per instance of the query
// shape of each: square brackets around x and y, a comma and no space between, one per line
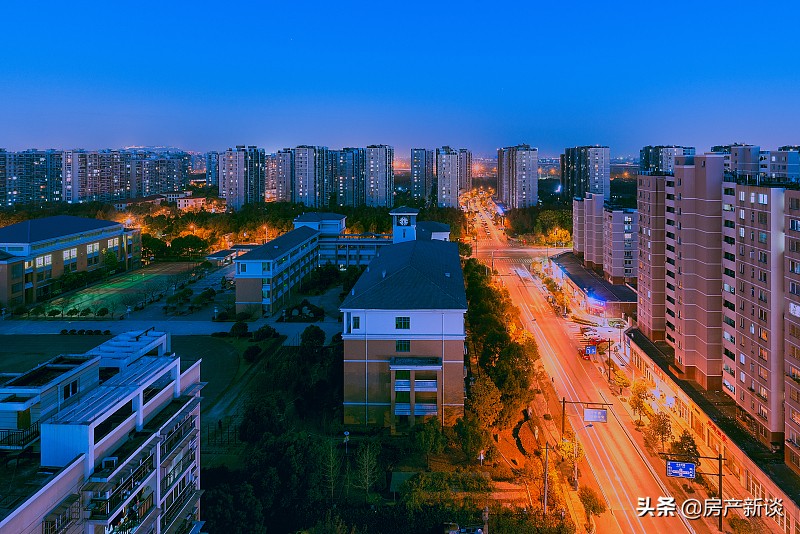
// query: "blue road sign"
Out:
[595,415]
[680,469]
[591,349]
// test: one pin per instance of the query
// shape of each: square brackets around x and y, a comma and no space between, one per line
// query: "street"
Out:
[616,461]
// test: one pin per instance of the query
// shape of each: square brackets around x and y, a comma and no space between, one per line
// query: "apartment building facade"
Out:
[423,173]
[117,430]
[586,169]
[349,175]
[35,253]
[651,281]
[518,176]
[660,159]
[447,160]
[242,176]
[404,338]
[620,250]
[587,212]
[464,170]
[379,179]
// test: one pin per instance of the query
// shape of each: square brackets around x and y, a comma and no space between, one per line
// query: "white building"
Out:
[310,176]
[118,435]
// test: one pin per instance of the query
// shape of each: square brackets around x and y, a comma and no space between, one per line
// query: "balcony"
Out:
[139,515]
[114,494]
[419,385]
[175,473]
[177,436]
[181,508]
[16,440]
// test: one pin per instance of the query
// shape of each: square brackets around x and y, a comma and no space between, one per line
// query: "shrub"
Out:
[54,313]
[222,316]
[72,312]
[86,312]
[20,310]
[73,332]
[239,329]
[219,334]
[106,332]
[265,332]
[102,312]
[243,316]
[98,332]
[81,332]
[547,417]
[64,331]
[251,353]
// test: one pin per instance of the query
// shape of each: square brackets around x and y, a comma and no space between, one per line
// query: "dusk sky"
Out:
[209,75]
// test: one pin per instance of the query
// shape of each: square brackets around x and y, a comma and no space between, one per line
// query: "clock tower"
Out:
[404,224]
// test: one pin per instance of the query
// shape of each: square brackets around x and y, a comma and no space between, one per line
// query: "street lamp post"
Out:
[346,439]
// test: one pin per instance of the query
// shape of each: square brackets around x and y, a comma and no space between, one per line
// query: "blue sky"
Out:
[208,75]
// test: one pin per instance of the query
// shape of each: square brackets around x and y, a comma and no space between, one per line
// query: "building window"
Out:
[402,345]
[402,323]
[356,322]
[70,389]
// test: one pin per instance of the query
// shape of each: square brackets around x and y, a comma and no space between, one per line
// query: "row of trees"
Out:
[548,225]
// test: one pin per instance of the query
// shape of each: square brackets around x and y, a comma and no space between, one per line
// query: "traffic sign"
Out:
[595,415]
[591,349]
[680,469]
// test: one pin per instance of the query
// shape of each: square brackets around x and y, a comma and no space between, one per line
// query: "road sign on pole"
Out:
[680,469]
[591,349]
[595,415]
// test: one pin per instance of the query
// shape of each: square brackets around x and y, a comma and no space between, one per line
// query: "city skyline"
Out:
[396,92]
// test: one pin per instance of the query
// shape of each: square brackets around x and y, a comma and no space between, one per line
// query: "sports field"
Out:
[118,292]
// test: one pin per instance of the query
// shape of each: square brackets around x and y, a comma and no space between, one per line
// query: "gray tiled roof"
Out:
[426,228]
[416,278]
[50,228]
[316,216]
[280,245]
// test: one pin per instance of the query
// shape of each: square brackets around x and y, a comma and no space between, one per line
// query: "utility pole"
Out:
[485,517]
[608,356]
[720,490]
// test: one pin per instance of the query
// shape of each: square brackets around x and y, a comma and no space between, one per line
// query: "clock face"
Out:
[403,221]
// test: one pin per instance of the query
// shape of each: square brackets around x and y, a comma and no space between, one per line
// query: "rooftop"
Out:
[319,216]
[47,372]
[280,245]
[600,289]
[127,346]
[416,275]
[97,402]
[46,228]
[721,409]
[404,210]
[221,254]
[28,477]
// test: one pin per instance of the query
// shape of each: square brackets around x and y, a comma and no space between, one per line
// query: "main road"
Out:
[618,465]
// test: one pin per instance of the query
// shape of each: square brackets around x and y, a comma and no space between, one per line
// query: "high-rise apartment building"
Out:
[242,176]
[620,250]
[693,238]
[312,184]
[587,215]
[518,176]
[447,160]
[31,177]
[586,169]
[652,260]
[784,164]
[379,181]
[212,168]
[349,176]
[270,177]
[284,175]
[464,169]
[423,173]
[153,174]
[102,175]
[660,159]
[790,374]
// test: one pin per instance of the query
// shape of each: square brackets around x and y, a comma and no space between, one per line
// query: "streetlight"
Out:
[265,234]
[346,439]
[575,444]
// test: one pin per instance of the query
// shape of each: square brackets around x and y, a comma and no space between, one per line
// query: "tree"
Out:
[239,329]
[313,337]
[366,473]
[472,436]
[331,466]
[429,438]
[621,381]
[661,428]
[571,450]
[188,245]
[110,261]
[592,504]
[152,247]
[686,447]
[639,396]
[485,401]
